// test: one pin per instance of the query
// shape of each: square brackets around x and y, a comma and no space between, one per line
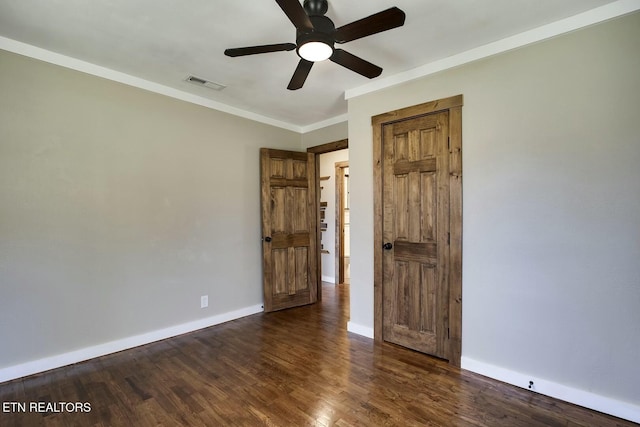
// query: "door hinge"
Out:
[448,238]
[449,143]
[448,334]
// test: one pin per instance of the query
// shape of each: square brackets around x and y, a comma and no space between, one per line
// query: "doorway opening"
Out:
[327,155]
[343,222]
[332,216]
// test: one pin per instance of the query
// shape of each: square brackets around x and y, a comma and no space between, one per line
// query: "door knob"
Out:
[387,246]
[267,239]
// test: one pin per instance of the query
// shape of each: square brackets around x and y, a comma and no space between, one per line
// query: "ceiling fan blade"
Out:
[296,14]
[300,75]
[352,62]
[252,50]
[377,23]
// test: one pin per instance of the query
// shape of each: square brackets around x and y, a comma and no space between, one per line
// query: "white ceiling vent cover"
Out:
[206,83]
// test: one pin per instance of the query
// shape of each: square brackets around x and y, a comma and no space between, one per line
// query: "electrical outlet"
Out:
[204,301]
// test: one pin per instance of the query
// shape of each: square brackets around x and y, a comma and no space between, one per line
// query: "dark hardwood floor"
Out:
[291,368]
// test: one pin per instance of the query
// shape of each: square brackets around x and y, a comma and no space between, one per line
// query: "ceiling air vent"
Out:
[206,83]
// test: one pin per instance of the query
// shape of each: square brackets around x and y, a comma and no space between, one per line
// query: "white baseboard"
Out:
[53,362]
[329,279]
[365,331]
[625,410]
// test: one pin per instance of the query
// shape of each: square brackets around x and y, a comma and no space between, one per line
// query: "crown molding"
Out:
[35,52]
[323,124]
[576,22]
[591,17]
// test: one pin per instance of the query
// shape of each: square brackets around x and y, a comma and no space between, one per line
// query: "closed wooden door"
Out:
[289,239]
[415,233]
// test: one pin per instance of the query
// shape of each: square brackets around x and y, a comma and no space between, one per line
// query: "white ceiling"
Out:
[164,41]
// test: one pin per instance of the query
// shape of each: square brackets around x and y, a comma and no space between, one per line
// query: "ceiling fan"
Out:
[316,35]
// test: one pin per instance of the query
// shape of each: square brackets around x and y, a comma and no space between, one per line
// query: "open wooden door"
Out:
[289,234]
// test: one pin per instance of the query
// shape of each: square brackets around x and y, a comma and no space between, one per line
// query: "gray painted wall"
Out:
[325,135]
[119,208]
[551,155]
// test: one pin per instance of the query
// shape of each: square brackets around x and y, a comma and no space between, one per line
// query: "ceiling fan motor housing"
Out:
[316,7]
[323,32]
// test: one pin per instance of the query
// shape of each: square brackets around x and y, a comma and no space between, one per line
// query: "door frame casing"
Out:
[453,106]
[317,150]
[340,223]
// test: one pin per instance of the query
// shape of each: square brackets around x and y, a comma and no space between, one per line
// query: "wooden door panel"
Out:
[403,166]
[280,270]
[277,168]
[412,282]
[288,228]
[299,169]
[428,213]
[301,255]
[415,220]
[278,210]
[286,240]
[429,298]
[420,252]
[415,211]
[298,210]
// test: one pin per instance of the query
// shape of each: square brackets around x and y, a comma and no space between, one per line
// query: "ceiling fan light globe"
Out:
[315,51]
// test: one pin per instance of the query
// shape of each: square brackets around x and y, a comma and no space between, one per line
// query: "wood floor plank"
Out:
[294,367]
